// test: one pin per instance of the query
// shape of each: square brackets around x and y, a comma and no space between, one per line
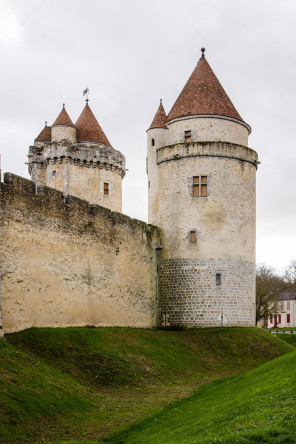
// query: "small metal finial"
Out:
[203,53]
[86,92]
[45,122]
[161,101]
[64,105]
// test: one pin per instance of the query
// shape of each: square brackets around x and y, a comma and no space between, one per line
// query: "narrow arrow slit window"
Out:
[218,279]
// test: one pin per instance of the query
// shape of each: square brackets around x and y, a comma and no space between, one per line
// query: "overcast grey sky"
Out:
[131,53]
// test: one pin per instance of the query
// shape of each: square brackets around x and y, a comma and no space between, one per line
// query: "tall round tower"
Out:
[78,160]
[201,182]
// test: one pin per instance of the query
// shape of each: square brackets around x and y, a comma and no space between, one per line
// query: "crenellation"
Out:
[97,155]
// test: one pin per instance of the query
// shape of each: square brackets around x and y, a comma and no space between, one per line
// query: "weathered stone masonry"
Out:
[66,262]
[189,294]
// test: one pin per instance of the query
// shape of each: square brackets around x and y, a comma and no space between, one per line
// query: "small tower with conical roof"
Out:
[78,160]
[63,128]
[201,186]
[157,133]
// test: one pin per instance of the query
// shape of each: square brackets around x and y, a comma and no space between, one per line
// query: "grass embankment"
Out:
[81,384]
[289,338]
[256,407]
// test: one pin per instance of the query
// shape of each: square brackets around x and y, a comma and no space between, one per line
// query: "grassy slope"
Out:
[256,407]
[34,395]
[80,383]
[289,338]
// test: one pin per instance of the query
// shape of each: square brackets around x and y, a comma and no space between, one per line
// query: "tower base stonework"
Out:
[189,296]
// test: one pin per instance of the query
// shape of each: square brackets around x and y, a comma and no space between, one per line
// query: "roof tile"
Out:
[45,135]
[88,128]
[159,118]
[203,94]
[63,119]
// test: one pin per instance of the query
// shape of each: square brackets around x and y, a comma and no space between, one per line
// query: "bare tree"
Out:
[290,272]
[268,286]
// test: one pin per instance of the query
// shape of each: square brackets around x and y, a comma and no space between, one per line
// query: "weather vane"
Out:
[86,92]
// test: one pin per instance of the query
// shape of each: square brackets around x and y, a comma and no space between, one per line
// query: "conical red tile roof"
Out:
[159,118]
[45,135]
[203,94]
[88,128]
[63,119]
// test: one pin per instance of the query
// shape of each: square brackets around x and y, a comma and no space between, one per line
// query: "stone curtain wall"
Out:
[189,295]
[67,263]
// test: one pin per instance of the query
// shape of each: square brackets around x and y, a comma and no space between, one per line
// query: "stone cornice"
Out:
[207,149]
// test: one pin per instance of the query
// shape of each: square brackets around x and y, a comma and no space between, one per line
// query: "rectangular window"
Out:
[280,318]
[106,189]
[218,279]
[270,319]
[288,318]
[187,136]
[200,186]
[195,186]
[288,305]
[192,236]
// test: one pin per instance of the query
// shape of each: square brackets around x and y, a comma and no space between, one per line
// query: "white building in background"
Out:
[286,316]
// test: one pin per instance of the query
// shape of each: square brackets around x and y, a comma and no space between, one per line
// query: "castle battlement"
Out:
[61,148]
[88,155]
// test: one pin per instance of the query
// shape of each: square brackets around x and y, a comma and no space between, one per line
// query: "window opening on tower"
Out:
[200,186]
[218,279]
[193,236]
[187,136]
[152,142]
[106,189]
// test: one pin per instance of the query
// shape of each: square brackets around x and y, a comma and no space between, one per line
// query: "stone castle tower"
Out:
[201,193]
[78,160]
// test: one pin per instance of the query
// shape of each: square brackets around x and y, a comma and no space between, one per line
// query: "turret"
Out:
[201,185]
[156,137]
[78,160]
[63,128]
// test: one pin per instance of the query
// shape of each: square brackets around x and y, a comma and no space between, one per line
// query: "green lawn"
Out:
[258,407]
[79,384]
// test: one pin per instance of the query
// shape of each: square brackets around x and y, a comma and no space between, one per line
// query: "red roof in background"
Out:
[159,118]
[45,135]
[63,119]
[88,128]
[203,94]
